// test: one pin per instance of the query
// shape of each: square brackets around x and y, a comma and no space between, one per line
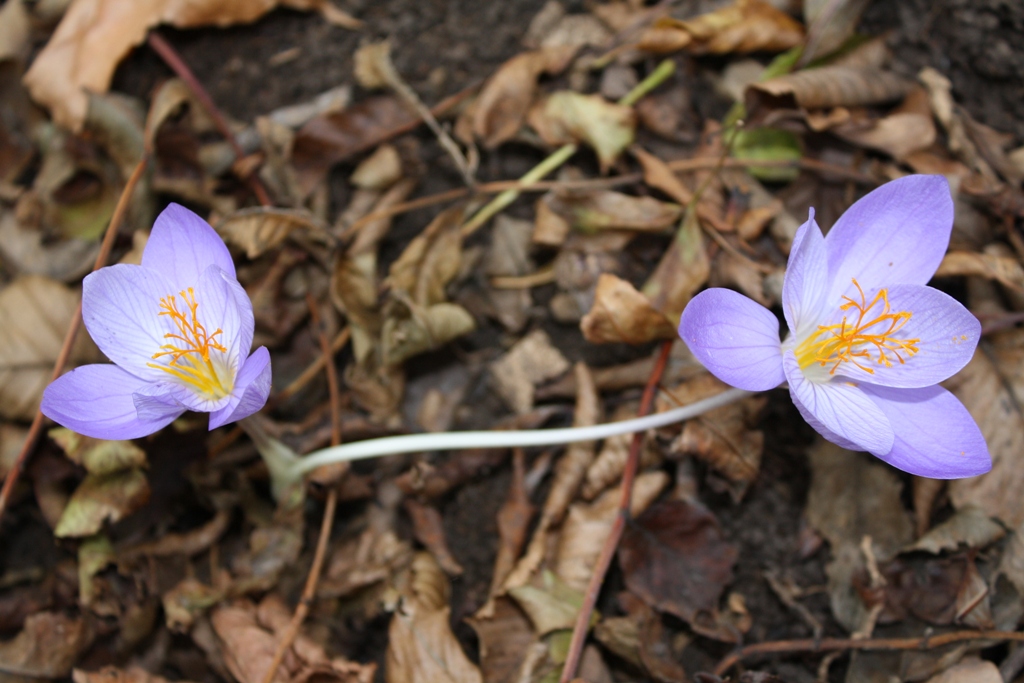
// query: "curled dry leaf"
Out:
[724,437]
[505,637]
[532,360]
[94,35]
[675,558]
[421,645]
[187,543]
[828,86]
[410,330]
[258,230]
[23,251]
[100,498]
[970,527]
[587,526]
[330,138]
[984,393]
[47,646]
[622,314]
[509,255]
[34,316]
[744,26]
[608,210]
[380,170]
[96,455]
[430,261]
[853,496]
[682,270]
[611,460]
[567,117]
[1003,268]
[111,674]
[830,24]
[503,102]
[970,670]
[249,635]
[907,129]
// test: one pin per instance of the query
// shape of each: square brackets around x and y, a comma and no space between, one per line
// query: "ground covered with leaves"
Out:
[457,215]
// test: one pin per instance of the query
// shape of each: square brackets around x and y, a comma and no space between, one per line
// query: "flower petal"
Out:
[96,400]
[896,234]
[121,310]
[947,331]
[842,408]
[182,245]
[806,281]
[935,435]
[252,387]
[735,338]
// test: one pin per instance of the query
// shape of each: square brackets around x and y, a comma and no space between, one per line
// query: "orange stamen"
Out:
[189,348]
[856,340]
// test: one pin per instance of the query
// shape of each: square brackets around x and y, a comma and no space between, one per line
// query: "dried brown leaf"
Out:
[566,117]
[607,467]
[186,543]
[984,393]
[100,498]
[24,252]
[428,527]
[94,35]
[724,439]
[331,138]
[258,230]
[532,360]
[970,527]
[587,526]
[47,646]
[853,496]
[551,606]
[829,86]
[111,674]
[622,314]
[675,558]
[970,670]
[505,637]
[410,330]
[1004,269]
[501,108]
[98,456]
[683,269]
[423,649]
[744,26]
[380,170]
[829,25]
[430,261]
[608,210]
[907,129]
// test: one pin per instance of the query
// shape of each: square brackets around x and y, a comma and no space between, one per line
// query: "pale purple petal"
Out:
[806,281]
[121,310]
[252,387]
[735,338]
[182,245]
[96,400]
[935,436]
[896,234]
[155,399]
[244,327]
[842,408]
[947,331]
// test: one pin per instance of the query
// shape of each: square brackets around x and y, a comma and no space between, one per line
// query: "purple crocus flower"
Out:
[178,328]
[868,341]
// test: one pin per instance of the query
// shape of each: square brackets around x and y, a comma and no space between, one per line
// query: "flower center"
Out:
[859,338]
[189,348]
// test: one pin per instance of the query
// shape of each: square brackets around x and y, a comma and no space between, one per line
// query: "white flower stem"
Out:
[447,441]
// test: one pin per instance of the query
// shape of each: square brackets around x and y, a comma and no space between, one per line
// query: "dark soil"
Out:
[441,47]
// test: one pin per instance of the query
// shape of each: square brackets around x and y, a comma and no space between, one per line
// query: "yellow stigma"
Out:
[859,339]
[189,348]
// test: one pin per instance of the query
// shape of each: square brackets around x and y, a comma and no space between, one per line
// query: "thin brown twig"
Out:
[837,644]
[579,632]
[76,323]
[327,523]
[679,166]
[182,70]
